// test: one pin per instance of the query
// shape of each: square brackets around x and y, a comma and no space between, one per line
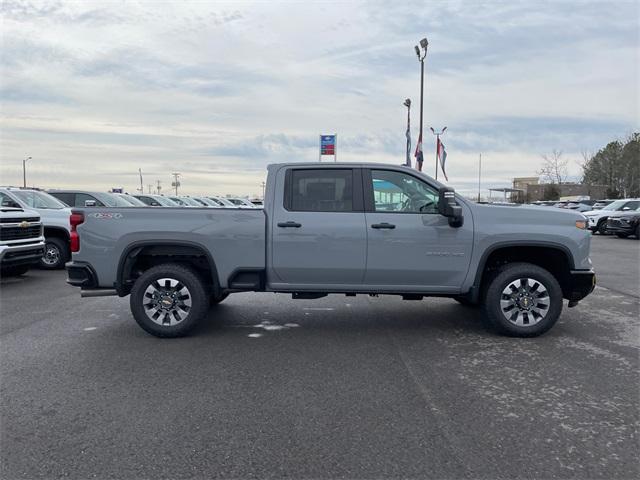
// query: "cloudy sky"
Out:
[95,90]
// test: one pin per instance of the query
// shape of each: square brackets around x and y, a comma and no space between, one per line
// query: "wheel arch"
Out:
[553,257]
[58,232]
[166,251]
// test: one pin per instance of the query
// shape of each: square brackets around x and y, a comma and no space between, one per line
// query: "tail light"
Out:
[74,239]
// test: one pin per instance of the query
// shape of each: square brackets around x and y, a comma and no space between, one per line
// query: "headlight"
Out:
[582,224]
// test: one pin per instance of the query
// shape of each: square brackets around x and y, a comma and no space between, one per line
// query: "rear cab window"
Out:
[323,190]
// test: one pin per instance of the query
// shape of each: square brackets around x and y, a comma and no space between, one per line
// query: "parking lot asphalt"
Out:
[340,387]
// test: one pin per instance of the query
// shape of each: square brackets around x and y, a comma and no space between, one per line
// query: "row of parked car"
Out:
[619,217]
[31,214]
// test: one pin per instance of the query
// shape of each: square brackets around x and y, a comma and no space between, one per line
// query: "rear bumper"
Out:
[581,284]
[81,275]
[15,255]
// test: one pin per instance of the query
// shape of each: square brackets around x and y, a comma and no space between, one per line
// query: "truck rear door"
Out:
[318,228]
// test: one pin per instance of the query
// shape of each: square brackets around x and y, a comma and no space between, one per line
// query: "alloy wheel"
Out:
[525,302]
[167,301]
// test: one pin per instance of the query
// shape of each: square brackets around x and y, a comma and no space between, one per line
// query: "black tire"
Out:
[56,254]
[602,227]
[195,294]
[216,299]
[466,302]
[14,271]
[638,232]
[512,273]
[622,235]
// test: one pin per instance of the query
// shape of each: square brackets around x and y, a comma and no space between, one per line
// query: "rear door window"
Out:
[320,190]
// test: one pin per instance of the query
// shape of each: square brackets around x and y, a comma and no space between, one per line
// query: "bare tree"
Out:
[554,168]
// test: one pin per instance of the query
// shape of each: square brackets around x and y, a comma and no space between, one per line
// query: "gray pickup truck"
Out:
[337,228]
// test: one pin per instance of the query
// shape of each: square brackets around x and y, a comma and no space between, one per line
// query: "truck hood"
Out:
[532,212]
[8,212]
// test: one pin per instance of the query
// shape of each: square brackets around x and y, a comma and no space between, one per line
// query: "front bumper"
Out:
[619,226]
[15,255]
[581,283]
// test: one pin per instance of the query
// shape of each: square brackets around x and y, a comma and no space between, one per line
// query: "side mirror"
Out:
[624,209]
[447,207]
[89,203]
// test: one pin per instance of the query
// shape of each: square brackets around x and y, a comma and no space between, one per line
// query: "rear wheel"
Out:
[523,300]
[168,300]
[56,254]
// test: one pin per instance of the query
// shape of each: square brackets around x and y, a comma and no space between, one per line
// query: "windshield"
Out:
[179,201]
[235,201]
[615,205]
[190,201]
[35,199]
[206,201]
[165,201]
[132,200]
[111,200]
[225,202]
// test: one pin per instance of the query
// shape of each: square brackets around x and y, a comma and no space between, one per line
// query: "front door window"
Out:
[402,193]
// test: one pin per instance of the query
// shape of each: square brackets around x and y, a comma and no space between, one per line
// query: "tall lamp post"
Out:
[437,134]
[24,172]
[421,51]
[407,103]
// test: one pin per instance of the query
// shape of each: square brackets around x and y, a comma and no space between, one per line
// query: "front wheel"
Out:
[168,300]
[56,254]
[602,227]
[622,235]
[523,300]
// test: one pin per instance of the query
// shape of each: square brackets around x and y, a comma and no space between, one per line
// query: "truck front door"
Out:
[318,233]
[410,246]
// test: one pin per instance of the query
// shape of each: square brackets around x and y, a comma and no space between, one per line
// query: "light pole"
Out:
[437,134]
[407,103]
[24,172]
[422,53]
[176,181]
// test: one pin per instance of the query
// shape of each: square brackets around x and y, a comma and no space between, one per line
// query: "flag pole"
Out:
[437,148]
[479,175]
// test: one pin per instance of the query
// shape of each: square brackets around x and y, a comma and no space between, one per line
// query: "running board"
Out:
[100,292]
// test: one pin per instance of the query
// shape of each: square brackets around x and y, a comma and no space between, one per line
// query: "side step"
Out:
[98,292]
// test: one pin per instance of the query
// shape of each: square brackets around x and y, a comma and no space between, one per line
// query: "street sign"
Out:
[328,145]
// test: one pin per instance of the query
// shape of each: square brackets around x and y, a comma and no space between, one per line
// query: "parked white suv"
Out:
[21,239]
[54,216]
[598,218]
